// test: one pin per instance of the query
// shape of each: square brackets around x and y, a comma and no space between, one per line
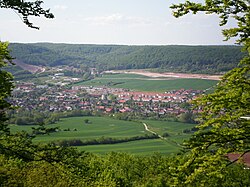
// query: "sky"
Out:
[127,22]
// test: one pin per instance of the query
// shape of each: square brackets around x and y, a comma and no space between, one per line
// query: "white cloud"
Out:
[105,19]
[117,19]
[60,7]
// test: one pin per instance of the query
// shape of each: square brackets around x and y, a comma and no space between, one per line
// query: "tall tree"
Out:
[17,150]
[6,84]
[25,9]
[224,126]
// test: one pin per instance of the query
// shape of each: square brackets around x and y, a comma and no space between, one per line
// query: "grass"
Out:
[108,127]
[141,147]
[142,83]
[124,75]
[96,128]
[148,147]
[174,129]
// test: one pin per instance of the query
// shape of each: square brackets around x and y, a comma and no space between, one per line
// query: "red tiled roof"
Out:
[122,101]
[109,109]
[245,159]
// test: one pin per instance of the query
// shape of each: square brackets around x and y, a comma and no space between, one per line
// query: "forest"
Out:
[176,58]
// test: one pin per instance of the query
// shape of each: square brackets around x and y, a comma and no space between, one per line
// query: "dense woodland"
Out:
[114,169]
[195,59]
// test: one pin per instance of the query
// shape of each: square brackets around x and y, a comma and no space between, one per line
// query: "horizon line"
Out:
[113,44]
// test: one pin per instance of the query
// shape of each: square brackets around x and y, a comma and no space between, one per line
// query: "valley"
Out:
[140,111]
[108,112]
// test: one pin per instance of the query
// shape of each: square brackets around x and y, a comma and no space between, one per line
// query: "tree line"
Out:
[194,59]
[103,140]
[35,117]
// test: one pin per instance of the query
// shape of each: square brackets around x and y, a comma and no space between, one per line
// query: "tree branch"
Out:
[26,9]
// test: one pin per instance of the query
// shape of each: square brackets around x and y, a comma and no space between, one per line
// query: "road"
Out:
[146,128]
[161,137]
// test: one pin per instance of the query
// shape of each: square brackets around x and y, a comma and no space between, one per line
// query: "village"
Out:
[47,98]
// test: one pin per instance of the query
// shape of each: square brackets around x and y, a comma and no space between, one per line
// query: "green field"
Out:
[174,129]
[141,147]
[107,127]
[143,83]
[124,75]
[96,128]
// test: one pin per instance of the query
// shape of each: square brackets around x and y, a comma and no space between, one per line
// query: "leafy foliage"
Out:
[18,154]
[113,169]
[223,128]
[6,84]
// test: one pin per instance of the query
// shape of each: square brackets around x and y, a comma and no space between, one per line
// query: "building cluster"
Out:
[30,96]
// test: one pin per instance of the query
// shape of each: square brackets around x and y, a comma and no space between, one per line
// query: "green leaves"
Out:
[222,129]
[6,84]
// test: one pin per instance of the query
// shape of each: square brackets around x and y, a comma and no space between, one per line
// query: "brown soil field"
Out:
[168,74]
[28,67]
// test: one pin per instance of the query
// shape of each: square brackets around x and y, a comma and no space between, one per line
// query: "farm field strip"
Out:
[149,84]
[140,147]
[107,127]
[167,74]
[128,78]
[76,128]
[174,129]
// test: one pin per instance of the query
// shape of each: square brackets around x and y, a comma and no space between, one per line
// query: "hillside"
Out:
[195,59]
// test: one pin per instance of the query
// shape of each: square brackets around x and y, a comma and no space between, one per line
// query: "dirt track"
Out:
[168,75]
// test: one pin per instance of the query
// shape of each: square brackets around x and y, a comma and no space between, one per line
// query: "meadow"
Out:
[76,128]
[173,129]
[140,147]
[97,127]
[143,83]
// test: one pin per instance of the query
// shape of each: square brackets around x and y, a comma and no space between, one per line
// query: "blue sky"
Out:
[130,22]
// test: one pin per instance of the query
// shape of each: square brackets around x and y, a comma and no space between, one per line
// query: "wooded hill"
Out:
[196,59]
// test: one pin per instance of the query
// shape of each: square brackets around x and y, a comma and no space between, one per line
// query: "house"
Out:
[100,107]
[237,157]
[122,110]
[122,101]
[43,99]
[108,110]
